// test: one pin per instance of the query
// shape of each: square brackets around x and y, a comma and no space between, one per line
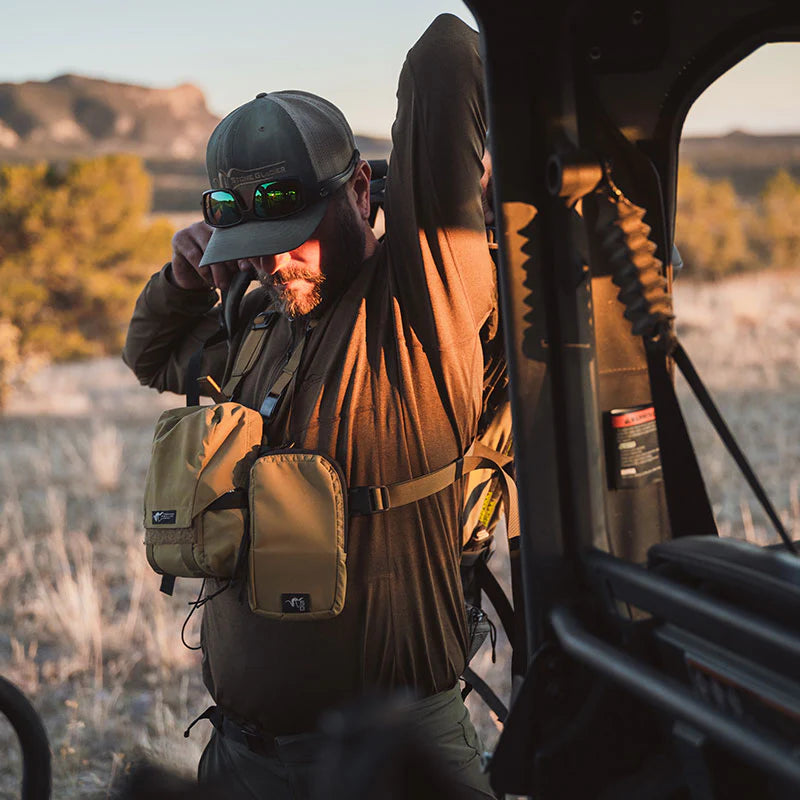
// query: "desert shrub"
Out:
[75,248]
[778,232]
[719,233]
[9,357]
[712,226]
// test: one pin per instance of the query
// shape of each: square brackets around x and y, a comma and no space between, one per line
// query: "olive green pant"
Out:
[436,747]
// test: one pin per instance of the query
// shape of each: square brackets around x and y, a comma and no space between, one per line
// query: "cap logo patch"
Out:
[238,177]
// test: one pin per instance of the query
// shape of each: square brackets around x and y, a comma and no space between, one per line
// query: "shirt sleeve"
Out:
[442,271]
[169,325]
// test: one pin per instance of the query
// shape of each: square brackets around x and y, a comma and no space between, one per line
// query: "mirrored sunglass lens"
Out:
[277,199]
[222,209]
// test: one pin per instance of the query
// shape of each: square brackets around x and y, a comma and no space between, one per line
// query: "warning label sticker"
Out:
[633,447]
[625,419]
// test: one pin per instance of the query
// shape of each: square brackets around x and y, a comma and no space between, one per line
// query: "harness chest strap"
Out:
[364,500]
[374,499]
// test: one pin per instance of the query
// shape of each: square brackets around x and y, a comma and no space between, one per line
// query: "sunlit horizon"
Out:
[350,54]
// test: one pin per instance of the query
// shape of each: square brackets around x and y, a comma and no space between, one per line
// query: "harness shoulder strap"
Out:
[285,376]
[249,352]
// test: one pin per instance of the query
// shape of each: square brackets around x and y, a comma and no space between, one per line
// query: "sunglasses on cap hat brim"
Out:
[271,200]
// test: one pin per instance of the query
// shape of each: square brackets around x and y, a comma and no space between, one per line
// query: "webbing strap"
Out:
[687,500]
[195,365]
[235,498]
[486,693]
[373,499]
[286,374]
[249,351]
[494,591]
[724,432]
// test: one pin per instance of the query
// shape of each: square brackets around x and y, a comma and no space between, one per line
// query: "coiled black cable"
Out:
[643,291]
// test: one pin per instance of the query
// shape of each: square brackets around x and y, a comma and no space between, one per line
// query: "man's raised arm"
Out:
[435,219]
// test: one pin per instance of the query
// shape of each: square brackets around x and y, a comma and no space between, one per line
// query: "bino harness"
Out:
[221,503]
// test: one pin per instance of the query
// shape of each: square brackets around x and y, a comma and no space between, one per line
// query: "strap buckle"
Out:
[262,320]
[268,406]
[378,498]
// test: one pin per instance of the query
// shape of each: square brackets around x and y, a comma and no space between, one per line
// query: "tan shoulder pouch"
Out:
[193,506]
[298,536]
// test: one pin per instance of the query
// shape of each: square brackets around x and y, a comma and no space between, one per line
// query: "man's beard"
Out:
[292,303]
[342,256]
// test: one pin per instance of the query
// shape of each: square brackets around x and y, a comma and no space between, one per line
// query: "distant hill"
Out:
[745,159]
[72,116]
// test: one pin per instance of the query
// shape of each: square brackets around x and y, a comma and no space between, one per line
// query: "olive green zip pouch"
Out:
[298,536]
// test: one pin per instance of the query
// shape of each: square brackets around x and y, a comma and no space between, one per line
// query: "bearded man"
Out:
[388,385]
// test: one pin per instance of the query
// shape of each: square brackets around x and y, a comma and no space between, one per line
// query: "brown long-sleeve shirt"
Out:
[390,386]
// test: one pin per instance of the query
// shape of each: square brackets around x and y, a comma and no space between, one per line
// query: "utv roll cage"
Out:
[662,661]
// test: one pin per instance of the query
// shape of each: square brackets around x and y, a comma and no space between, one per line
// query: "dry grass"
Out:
[742,335]
[85,631]
[87,634]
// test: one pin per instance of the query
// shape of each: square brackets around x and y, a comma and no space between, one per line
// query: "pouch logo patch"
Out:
[295,603]
[164,517]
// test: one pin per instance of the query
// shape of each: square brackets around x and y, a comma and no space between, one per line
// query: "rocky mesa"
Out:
[73,115]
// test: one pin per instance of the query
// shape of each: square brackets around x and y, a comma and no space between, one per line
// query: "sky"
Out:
[349,51]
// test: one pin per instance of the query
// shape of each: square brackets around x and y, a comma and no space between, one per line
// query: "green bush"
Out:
[10,361]
[75,249]
[711,226]
[719,234]
[778,235]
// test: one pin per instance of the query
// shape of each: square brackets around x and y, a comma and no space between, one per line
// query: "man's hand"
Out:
[188,246]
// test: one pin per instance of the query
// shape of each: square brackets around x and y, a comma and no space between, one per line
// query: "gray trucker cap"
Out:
[288,134]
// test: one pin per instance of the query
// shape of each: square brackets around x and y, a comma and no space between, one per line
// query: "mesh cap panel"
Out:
[325,131]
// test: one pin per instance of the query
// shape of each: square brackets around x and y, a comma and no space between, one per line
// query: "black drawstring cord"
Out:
[492,638]
[195,604]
